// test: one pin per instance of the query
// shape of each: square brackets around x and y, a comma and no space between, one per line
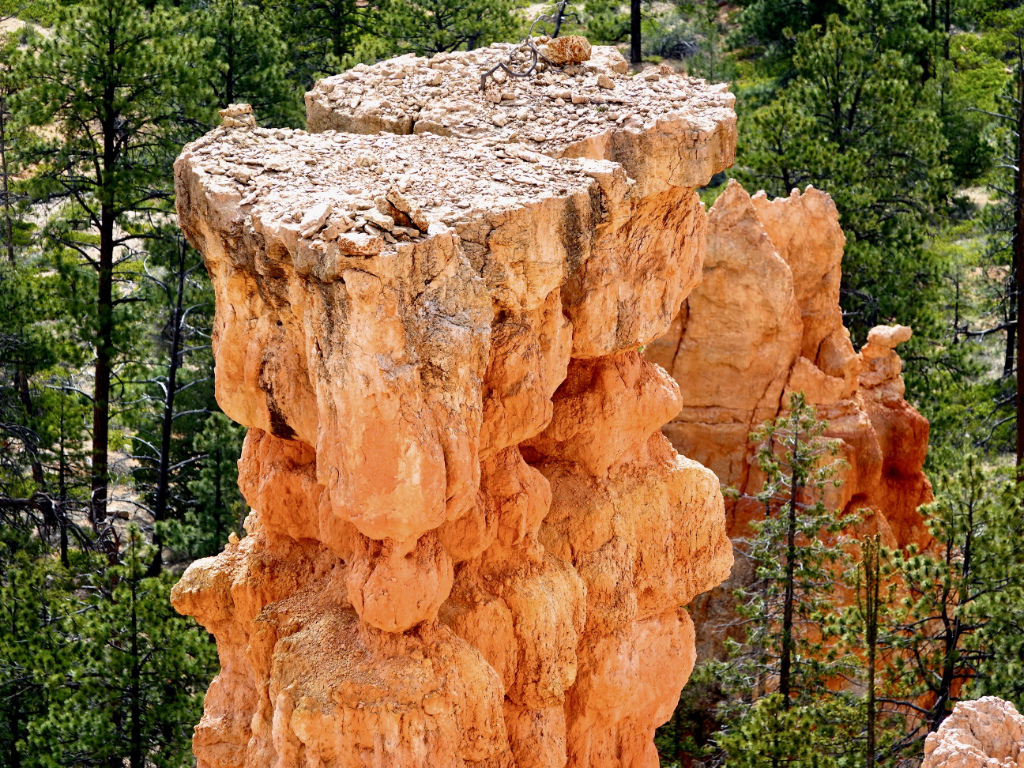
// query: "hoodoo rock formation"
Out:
[470,542]
[766,323]
[987,733]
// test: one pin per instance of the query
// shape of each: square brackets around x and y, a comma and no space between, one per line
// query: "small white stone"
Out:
[314,219]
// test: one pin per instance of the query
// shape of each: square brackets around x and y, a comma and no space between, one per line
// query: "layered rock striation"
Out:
[469,541]
[766,323]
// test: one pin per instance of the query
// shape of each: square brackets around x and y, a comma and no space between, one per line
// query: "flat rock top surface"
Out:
[389,187]
[551,109]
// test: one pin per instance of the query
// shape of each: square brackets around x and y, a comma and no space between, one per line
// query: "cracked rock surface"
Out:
[469,542]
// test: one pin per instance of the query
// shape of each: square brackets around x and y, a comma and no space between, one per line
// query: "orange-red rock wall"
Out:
[766,323]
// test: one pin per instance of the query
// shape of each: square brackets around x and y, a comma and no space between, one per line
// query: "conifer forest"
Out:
[118,469]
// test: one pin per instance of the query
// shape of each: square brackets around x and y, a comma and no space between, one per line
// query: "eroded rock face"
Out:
[987,733]
[469,542]
[766,323]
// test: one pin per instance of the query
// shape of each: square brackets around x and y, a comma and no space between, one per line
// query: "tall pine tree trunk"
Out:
[635,53]
[872,572]
[1018,259]
[949,29]
[167,424]
[135,756]
[786,662]
[1010,353]
[5,180]
[62,488]
[229,76]
[104,317]
[101,383]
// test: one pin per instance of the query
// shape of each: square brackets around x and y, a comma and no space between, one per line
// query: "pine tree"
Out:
[324,37]
[795,557]
[870,599]
[218,507]
[780,711]
[121,83]
[861,626]
[129,687]
[12,204]
[165,412]
[1006,219]
[771,28]
[185,448]
[955,631]
[250,59]
[41,414]
[34,598]
[772,734]
[434,26]
[17,402]
[636,55]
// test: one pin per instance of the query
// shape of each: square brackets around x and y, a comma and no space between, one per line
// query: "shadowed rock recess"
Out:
[470,542]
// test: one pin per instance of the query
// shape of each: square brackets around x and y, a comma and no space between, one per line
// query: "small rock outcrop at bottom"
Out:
[987,733]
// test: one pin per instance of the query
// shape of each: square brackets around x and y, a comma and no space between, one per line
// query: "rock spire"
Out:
[469,541]
[766,323]
[987,733]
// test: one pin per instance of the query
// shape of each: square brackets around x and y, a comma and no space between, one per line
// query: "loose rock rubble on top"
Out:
[362,194]
[367,193]
[552,109]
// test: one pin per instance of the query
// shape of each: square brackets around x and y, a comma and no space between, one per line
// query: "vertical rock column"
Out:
[469,543]
[766,323]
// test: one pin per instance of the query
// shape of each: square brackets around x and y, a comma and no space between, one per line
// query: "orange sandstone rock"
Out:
[765,323]
[571,49]
[469,542]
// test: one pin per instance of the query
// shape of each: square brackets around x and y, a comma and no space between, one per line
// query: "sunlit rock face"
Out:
[987,733]
[766,323]
[470,542]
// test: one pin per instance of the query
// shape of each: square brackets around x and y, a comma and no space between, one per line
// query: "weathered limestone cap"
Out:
[666,129]
[344,195]
[325,203]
